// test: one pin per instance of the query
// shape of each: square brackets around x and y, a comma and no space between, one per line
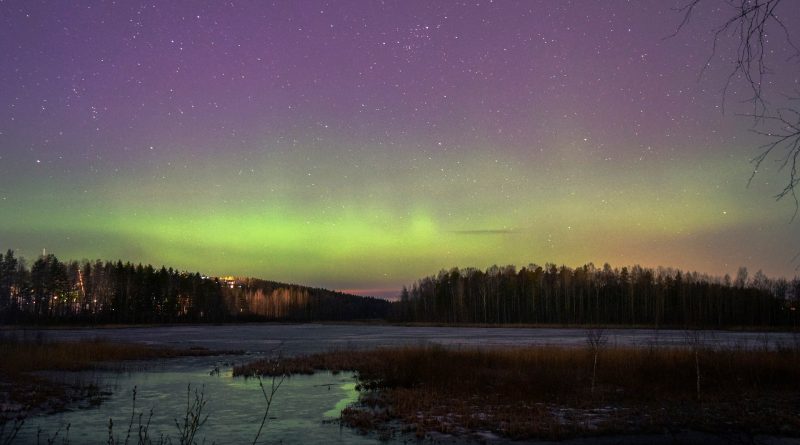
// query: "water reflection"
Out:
[235,408]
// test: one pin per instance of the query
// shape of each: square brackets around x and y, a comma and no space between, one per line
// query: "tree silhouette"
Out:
[752,22]
[588,295]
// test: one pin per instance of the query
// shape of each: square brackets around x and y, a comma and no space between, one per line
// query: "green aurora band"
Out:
[372,222]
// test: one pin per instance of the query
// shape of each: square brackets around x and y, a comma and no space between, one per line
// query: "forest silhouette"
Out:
[52,291]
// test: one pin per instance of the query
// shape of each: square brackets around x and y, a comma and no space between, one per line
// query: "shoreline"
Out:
[488,326]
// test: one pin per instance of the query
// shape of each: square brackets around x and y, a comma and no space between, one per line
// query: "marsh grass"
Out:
[23,355]
[24,387]
[555,392]
[23,384]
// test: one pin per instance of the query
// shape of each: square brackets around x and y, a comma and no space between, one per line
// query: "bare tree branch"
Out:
[751,23]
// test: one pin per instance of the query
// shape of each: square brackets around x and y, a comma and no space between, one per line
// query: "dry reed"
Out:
[556,392]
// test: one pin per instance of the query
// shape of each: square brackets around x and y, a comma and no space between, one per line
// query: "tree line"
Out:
[590,295]
[52,291]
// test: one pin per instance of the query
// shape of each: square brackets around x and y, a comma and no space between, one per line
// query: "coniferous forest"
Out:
[52,291]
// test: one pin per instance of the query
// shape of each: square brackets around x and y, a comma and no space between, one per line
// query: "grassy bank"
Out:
[553,393]
[25,359]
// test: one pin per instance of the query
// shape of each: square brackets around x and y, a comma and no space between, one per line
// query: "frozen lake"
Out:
[305,407]
[307,338]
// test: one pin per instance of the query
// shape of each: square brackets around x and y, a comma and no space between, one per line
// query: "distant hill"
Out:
[280,301]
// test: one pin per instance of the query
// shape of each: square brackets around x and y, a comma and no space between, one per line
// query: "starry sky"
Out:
[360,145]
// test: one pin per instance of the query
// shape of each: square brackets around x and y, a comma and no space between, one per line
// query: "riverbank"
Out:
[556,393]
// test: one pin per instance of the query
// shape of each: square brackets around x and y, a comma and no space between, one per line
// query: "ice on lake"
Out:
[305,407]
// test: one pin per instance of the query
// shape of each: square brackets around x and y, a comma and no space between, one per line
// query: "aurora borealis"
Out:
[360,145]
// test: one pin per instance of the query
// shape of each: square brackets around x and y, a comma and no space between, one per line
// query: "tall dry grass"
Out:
[22,357]
[553,392]
[555,372]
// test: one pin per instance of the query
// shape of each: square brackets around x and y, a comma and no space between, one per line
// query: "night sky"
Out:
[360,145]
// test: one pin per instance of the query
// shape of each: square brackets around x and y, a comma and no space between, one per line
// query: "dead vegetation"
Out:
[556,392]
[24,387]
